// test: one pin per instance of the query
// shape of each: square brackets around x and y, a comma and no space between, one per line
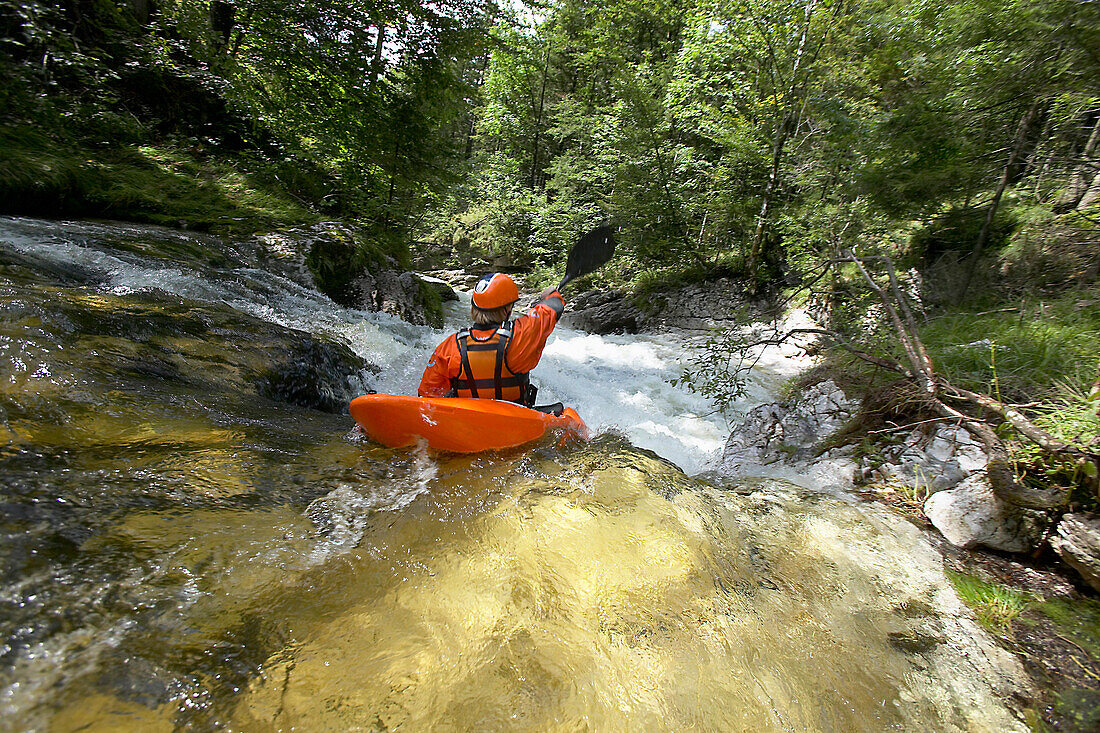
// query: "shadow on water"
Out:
[191,538]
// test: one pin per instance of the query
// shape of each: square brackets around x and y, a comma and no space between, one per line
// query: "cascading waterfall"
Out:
[194,536]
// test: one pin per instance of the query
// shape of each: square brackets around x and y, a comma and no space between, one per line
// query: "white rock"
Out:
[970,515]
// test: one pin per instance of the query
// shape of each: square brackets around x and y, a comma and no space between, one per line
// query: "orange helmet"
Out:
[495,291]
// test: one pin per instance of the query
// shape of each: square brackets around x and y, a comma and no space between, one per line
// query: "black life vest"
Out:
[485,371]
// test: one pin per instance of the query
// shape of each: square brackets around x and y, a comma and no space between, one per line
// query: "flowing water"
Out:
[194,536]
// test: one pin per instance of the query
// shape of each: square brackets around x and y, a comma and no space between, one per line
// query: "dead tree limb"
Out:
[937,392]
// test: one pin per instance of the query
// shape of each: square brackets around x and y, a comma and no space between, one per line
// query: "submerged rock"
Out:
[315,373]
[604,588]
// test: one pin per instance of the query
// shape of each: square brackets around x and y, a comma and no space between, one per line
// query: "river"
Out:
[194,536]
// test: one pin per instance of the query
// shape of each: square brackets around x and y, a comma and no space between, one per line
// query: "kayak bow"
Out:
[457,424]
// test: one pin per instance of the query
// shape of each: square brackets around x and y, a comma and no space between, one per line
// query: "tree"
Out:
[747,78]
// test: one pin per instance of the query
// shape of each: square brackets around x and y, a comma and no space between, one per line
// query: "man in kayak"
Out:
[492,358]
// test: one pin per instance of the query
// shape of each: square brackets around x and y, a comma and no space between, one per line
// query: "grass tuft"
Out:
[1020,350]
[995,606]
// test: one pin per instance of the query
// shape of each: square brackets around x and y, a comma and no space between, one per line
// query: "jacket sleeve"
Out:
[444,365]
[530,331]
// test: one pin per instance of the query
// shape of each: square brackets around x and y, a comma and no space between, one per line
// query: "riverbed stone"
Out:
[970,515]
[1077,541]
[926,464]
[787,432]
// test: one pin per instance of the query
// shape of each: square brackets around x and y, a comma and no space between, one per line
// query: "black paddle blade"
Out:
[593,250]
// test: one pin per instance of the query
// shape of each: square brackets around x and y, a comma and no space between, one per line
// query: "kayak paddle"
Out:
[589,253]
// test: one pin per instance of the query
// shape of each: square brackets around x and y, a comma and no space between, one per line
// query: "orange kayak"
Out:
[457,424]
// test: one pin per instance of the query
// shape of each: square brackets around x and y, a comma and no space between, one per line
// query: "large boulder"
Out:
[716,304]
[970,515]
[1077,541]
[783,439]
[392,291]
[603,312]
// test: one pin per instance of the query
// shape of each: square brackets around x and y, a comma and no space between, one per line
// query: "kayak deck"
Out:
[457,424]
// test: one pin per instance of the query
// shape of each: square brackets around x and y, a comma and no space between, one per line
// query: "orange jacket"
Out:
[529,334]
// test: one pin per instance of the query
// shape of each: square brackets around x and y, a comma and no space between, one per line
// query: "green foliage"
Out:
[1077,619]
[354,110]
[1041,352]
[1032,344]
[956,231]
[718,369]
[996,606]
[1072,416]
[758,132]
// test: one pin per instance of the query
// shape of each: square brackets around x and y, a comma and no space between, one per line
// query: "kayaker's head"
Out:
[493,298]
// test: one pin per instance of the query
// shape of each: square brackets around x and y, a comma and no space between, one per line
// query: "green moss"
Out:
[337,259]
[1078,620]
[433,304]
[173,186]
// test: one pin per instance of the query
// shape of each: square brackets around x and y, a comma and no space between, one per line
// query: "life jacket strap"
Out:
[468,383]
[467,342]
[502,344]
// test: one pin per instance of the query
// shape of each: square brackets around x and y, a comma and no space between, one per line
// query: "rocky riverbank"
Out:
[1049,564]
[1040,569]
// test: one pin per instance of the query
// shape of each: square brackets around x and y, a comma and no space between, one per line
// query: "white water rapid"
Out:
[617,382]
[194,541]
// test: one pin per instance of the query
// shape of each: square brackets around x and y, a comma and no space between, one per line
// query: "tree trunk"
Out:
[143,10]
[1014,158]
[538,120]
[379,47]
[757,250]
[1085,173]
[786,127]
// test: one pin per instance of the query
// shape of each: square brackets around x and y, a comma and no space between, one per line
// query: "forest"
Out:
[923,176]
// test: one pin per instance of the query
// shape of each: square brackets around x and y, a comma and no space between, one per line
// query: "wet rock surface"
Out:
[604,312]
[705,306]
[940,470]
[390,291]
